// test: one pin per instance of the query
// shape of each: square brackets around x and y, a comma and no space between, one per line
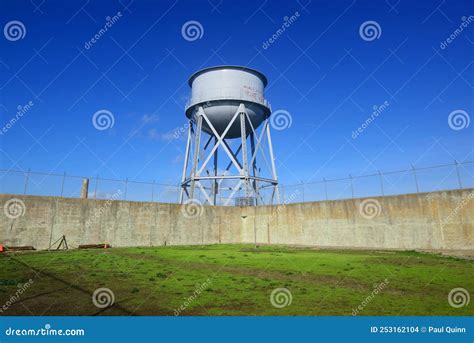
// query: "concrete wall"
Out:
[119,223]
[440,220]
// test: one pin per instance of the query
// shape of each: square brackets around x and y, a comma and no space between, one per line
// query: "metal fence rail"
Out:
[65,185]
[456,175]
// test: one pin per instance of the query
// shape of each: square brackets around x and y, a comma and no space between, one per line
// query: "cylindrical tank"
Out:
[220,90]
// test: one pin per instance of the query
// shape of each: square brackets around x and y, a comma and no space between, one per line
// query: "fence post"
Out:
[95,188]
[325,188]
[85,188]
[26,180]
[416,179]
[302,187]
[352,186]
[152,190]
[457,172]
[381,182]
[125,190]
[62,184]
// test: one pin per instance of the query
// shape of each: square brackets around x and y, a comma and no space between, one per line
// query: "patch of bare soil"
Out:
[329,280]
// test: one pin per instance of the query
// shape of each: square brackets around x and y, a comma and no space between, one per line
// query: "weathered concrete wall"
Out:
[441,220]
[119,223]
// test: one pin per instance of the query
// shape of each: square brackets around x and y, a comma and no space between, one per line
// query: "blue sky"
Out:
[320,70]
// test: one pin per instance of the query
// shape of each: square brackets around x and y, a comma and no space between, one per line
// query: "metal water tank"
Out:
[220,90]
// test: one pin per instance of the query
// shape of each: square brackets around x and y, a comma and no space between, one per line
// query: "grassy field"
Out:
[232,280]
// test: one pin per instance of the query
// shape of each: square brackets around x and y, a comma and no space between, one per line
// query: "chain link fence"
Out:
[456,175]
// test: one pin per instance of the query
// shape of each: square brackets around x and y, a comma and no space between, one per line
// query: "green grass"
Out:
[233,280]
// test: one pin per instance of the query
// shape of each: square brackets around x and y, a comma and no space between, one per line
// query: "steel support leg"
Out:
[197,148]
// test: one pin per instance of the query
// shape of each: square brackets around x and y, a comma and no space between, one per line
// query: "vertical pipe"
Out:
[215,183]
[245,162]
[255,226]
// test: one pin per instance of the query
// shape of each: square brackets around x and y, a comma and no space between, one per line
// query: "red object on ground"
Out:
[2,248]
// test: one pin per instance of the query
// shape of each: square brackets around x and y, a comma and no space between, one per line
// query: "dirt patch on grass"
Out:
[404,261]
[327,280]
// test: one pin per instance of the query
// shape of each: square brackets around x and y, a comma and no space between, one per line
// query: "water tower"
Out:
[228,138]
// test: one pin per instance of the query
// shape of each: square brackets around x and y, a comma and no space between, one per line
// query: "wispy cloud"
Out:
[168,136]
[147,119]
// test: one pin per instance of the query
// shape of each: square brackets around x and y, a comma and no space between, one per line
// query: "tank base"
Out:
[233,173]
